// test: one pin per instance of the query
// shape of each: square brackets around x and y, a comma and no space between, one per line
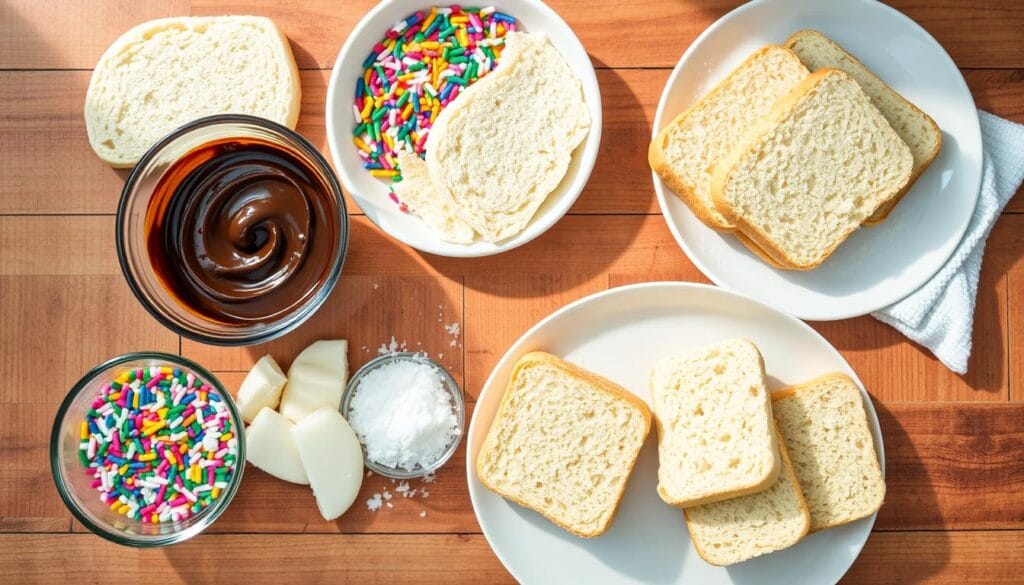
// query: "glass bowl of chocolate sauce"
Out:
[232,230]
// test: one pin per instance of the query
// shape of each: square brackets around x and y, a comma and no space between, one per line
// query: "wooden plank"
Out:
[502,306]
[24,449]
[367,310]
[370,560]
[952,466]
[979,34]
[1005,253]
[52,34]
[40,116]
[85,245]
[939,558]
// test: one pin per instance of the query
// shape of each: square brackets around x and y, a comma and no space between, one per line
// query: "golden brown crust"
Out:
[725,168]
[761,485]
[789,391]
[660,165]
[787,467]
[598,382]
[883,212]
[760,252]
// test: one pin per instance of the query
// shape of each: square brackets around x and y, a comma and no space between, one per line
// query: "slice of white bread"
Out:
[684,153]
[825,428]
[165,73]
[715,434]
[812,171]
[563,443]
[436,210]
[914,127]
[506,142]
[734,530]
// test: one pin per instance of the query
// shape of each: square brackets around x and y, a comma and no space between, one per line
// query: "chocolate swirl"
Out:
[247,234]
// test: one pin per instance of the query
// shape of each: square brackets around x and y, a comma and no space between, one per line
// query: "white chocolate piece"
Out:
[332,458]
[261,387]
[316,378]
[270,446]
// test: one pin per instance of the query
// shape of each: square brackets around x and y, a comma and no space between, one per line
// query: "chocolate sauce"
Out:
[242,231]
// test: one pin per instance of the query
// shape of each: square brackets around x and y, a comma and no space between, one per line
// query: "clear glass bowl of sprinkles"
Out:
[147,449]
[401,411]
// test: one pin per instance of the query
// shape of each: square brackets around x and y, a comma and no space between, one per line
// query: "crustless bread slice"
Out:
[685,152]
[812,171]
[715,435]
[915,127]
[563,443]
[738,529]
[825,428]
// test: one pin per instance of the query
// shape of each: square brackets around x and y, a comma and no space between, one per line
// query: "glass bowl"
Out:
[454,393]
[73,483]
[139,191]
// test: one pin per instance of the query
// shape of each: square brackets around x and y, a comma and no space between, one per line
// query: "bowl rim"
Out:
[584,152]
[207,516]
[451,386]
[291,320]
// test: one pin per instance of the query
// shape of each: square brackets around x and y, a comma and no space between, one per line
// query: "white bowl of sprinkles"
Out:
[373,194]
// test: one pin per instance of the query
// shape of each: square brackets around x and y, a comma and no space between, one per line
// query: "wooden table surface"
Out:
[954,512]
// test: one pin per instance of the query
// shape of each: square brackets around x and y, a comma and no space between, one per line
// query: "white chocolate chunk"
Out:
[261,387]
[270,446]
[332,458]
[316,379]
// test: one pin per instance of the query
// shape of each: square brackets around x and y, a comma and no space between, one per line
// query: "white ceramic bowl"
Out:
[372,194]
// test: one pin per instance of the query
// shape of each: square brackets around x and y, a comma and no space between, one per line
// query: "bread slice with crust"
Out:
[686,150]
[914,127]
[165,73]
[812,171]
[738,529]
[715,434]
[825,427]
[563,443]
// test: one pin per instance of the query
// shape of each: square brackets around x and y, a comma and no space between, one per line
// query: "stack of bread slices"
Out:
[797,148]
[755,471]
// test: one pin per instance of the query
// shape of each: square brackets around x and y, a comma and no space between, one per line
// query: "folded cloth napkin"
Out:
[940,314]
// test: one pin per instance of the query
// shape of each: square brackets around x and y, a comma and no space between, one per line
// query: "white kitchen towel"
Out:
[940,314]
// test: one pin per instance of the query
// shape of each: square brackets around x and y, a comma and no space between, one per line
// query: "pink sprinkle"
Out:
[209,475]
[393,197]
[160,493]
[180,500]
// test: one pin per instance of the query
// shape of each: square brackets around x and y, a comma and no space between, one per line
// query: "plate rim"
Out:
[662,191]
[439,247]
[683,287]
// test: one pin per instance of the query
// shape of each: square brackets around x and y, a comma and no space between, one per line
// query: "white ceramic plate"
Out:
[879,265]
[620,334]
[372,194]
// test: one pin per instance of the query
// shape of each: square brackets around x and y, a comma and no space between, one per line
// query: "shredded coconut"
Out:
[423,514]
[374,503]
[392,347]
[403,415]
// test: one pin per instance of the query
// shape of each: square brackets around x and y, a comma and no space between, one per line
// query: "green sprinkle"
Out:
[360,129]
[404,99]
[417,66]
[83,458]
[456,80]
[446,32]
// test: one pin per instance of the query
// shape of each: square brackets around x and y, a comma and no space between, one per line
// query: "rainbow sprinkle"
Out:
[420,66]
[158,443]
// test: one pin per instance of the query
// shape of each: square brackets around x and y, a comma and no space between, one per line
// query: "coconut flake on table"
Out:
[403,415]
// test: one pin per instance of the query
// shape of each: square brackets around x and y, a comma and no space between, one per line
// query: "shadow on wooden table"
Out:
[910,504]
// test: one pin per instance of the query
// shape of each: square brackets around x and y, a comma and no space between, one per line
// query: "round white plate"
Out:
[372,194]
[619,334]
[878,265]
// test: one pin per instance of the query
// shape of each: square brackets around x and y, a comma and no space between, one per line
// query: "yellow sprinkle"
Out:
[407,111]
[215,493]
[390,143]
[166,370]
[123,509]
[183,448]
[430,45]
[429,19]
[135,400]
[459,19]
[367,110]
[434,111]
[147,431]
[154,518]
[171,458]
[226,436]
[361,145]
[463,36]
[366,77]
[123,469]
[123,378]
[383,174]
[114,506]
[147,457]
[113,397]
[84,430]
[162,413]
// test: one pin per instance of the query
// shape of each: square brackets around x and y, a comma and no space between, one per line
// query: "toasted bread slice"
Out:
[715,435]
[812,171]
[563,443]
[915,127]
[825,428]
[686,150]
